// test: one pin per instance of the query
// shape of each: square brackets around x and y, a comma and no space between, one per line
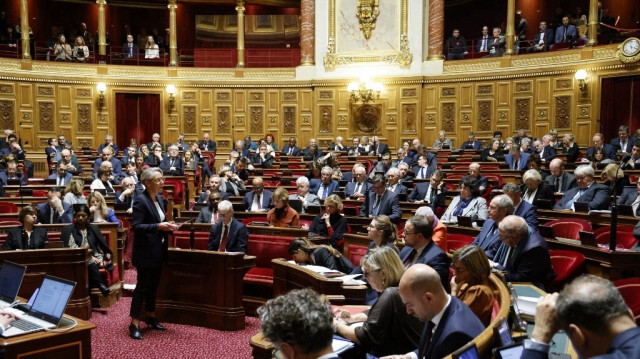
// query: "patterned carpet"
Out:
[110,338]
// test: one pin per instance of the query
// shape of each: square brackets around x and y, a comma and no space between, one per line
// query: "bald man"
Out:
[259,199]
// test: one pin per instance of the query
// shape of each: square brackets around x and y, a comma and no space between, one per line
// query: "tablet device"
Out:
[513,351]
[465,221]
[469,351]
[502,333]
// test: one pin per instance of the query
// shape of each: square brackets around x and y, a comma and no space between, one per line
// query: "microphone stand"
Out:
[192,234]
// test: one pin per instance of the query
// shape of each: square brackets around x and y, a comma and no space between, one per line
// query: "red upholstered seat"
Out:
[586,225]
[259,276]
[457,241]
[271,183]
[10,222]
[496,178]
[109,277]
[623,239]
[568,230]
[182,239]
[356,253]
[178,189]
[8,207]
[567,265]
[630,290]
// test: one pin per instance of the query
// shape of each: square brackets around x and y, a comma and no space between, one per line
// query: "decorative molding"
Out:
[564,84]
[256,96]
[257,120]
[542,114]
[523,111]
[563,112]
[283,74]
[45,91]
[173,121]
[206,121]
[189,95]
[604,53]
[83,114]
[472,66]
[366,117]
[448,92]
[523,87]
[447,110]
[7,114]
[367,13]
[409,116]
[289,123]
[224,144]
[466,117]
[64,117]
[239,120]
[273,120]
[546,60]
[326,119]
[6,89]
[223,96]
[291,96]
[83,93]
[502,115]
[85,142]
[583,111]
[189,120]
[342,119]
[102,119]
[431,117]
[484,115]
[326,95]
[223,120]
[485,89]
[409,92]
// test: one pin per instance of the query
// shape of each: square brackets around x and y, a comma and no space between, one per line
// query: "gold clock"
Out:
[629,50]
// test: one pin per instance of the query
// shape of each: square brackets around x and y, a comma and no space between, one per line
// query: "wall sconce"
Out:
[102,88]
[364,91]
[171,90]
[583,85]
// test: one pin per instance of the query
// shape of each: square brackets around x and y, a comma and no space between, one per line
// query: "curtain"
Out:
[137,117]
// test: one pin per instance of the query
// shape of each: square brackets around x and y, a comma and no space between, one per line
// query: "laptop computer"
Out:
[47,309]
[468,351]
[465,221]
[10,280]
[296,204]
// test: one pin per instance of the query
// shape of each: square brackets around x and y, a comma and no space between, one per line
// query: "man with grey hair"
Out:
[379,148]
[73,166]
[544,149]
[206,144]
[359,187]
[173,164]
[406,175]
[523,254]
[228,234]
[594,316]
[215,183]
[324,186]
[107,155]
[108,142]
[471,143]
[393,181]
[525,145]
[522,208]
[381,201]
[588,191]
[299,324]
[439,235]
[155,142]
[442,143]
[303,195]
[516,159]
[489,237]
[402,157]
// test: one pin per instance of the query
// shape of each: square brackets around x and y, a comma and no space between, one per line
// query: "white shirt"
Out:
[257,198]
[529,196]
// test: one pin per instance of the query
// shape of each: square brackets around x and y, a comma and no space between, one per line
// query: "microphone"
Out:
[192,234]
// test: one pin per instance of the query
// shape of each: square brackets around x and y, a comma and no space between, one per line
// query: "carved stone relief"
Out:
[523,87]
[563,84]
[289,119]
[6,89]
[224,144]
[46,116]
[523,108]
[223,96]
[409,93]
[189,116]
[485,89]
[326,119]
[83,93]
[367,117]
[409,114]
[45,91]
[256,96]
[448,117]
[291,96]
[84,118]
[563,112]
[257,119]
[326,95]
[484,115]
[189,95]
[448,91]
[6,115]
[224,119]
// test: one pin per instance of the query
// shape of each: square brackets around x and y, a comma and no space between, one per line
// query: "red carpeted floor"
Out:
[110,338]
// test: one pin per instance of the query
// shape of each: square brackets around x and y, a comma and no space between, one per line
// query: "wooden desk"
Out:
[203,288]
[76,343]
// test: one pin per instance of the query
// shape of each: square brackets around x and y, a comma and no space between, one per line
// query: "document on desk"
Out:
[341,344]
[527,305]
[350,279]
[329,273]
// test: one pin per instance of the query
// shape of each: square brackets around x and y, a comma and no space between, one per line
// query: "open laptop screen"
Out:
[52,299]
[10,279]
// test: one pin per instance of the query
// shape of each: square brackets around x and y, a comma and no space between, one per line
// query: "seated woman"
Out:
[570,148]
[612,173]
[73,193]
[271,142]
[189,161]
[468,203]
[81,233]
[26,236]
[99,211]
[282,215]
[536,191]
[534,162]
[471,281]
[387,329]
[493,153]
[80,50]
[331,223]
[304,252]
[103,180]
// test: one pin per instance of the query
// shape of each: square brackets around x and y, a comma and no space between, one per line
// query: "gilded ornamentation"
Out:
[223,96]
[330,57]
[584,111]
[367,117]
[102,119]
[409,112]
[290,96]
[306,120]
[188,95]
[448,91]
[85,142]
[239,120]
[409,92]
[273,120]
[206,121]
[26,116]
[484,115]
[563,112]
[484,65]
[173,120]
[6,89]
[563,84]
[224,144]
[605,53]
[391,119]
[326,119]
[485,90]
[83,93]
[326,95]
[64,117]
[325,143]
[547,60]
[45,91]
[342,119]
[289,119]
[466,117]
[6,115]
[256,96]
[523,86]
[431,118]
[523,108]
[367,13]
[84,118]
[502,116]
[223,120]
[189,119]
[542,114]
[448,117]
[257,119]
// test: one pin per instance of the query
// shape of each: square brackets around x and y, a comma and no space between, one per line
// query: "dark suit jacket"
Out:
[380,149]
[487,240]
[545,192]
[125,51]
[628,196]
[150,244]
[117,167]
[113,146]
[530,261]
[67,178]
[350,188]
[497,46]
[14,238]
[548,39]
[625,166]
[476,145]
[457,327]
[165,166]
[420,191]
[434,257]
[20,175]
[267,163]
[549,154]
[127,200]
[508,159]
[94,237]
[597,195]
[237,238]
[572,153]
[479,43]
[150,146]
[266,199]
[316,184]
[399,189]
[44,213]
[294,152]
[571,32]
[529,212]
[211,145]
[388,206]
[203,197]
[567,181]
[627,148]
[609,152]
[205,215]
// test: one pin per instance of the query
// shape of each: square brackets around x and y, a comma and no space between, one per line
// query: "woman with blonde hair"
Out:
[471,281]
[613,173]
[73,193]
[100,213]
[282,215]
[62,50]
[387,328]
[330,223]
[305,252]
[80,50]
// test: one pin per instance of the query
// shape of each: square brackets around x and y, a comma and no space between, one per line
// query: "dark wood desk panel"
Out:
[203,288]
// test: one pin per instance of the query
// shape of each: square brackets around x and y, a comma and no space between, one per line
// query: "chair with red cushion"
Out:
[305,223]
[586,225]
[355,253]
[567,265]
[629,288]
[249,220]
[8,207]
[567,230]
[497,178]
[457,241]
[178,189]
[623,239]
[182,239]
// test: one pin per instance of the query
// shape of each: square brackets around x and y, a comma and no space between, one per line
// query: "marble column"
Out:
[436,29]
[240,9]
[307,32]
[511,31]
[173,46]
[102,34]
[24,28]
[593,23]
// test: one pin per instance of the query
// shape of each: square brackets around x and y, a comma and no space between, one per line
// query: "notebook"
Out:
[47,308]
[10,280]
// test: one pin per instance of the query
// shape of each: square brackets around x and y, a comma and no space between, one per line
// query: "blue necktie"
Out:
[574,199]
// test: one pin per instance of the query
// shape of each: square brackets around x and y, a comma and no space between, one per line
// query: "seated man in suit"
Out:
[155,142]
[497,44]
[173,164]
[381,201]
[598,142]
[262,159]
[350,176]
[523,254]
[632,160]
[594,316]
[426,298]
[439,235]
[54,210]
[228,234]
[242,151]
[489,237]
[337,145]
[432,193]
[130,171]
[521,208]
[360,187]
[631,197]
[61,176]
[476,173]
[127,193]
[207,144]
[299,324]
[544,149]
[482,45]
[406,176]
[624,142]
[129,156]
[71,161]
[63,143]
[182,146]
[214,186]
[209,213]
[52,151]
[356,149]
[324,186]
[402,157]
[259,199]
[107,155]
[130,48]
[382,166]
[393,181]
[516,160]
[521,134]
[566,32]
[561,180]
[12,173]
[420,248]
[108,142]
[471,143]
[378,148]
[303,195]
[597,195]
[426,164]
[250,145]
[442,143]
[542,40]
[291,149]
